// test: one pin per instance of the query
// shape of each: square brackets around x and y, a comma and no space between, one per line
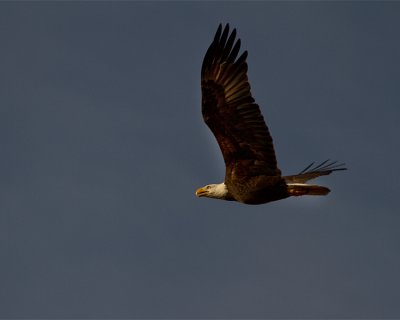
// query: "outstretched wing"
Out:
[230,111]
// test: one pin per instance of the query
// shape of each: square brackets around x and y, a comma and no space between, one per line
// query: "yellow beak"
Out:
[201,192]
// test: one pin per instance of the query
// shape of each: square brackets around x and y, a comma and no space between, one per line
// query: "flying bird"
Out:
[252,175]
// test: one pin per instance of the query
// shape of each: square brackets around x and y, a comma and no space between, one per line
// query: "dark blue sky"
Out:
[103,145]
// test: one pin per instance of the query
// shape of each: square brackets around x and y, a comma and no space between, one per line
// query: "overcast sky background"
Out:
[103,145]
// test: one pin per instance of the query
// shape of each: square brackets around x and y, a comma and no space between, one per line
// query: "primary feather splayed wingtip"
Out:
[324,166]
[311,172]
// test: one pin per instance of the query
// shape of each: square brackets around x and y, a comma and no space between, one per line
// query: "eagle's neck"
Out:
[219,191]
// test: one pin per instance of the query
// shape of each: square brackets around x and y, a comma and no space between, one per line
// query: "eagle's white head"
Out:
[217,191]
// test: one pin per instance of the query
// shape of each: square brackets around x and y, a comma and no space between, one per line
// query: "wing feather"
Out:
[311,172]
[231,112]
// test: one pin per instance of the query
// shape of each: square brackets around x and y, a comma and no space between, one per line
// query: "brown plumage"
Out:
[252,175]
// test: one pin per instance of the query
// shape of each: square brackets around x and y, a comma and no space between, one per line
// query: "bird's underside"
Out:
[252,175]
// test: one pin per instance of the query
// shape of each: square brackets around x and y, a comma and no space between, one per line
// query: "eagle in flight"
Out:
[252,175]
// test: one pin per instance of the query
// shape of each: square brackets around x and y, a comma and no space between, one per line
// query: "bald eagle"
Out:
[252,175]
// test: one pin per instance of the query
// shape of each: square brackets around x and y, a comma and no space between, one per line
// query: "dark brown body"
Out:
[253,182]
[258,190]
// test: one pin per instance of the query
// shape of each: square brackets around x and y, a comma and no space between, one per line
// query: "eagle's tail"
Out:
[297,183]
[302,189]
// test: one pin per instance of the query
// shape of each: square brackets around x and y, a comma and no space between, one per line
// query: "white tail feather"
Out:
[302,189]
